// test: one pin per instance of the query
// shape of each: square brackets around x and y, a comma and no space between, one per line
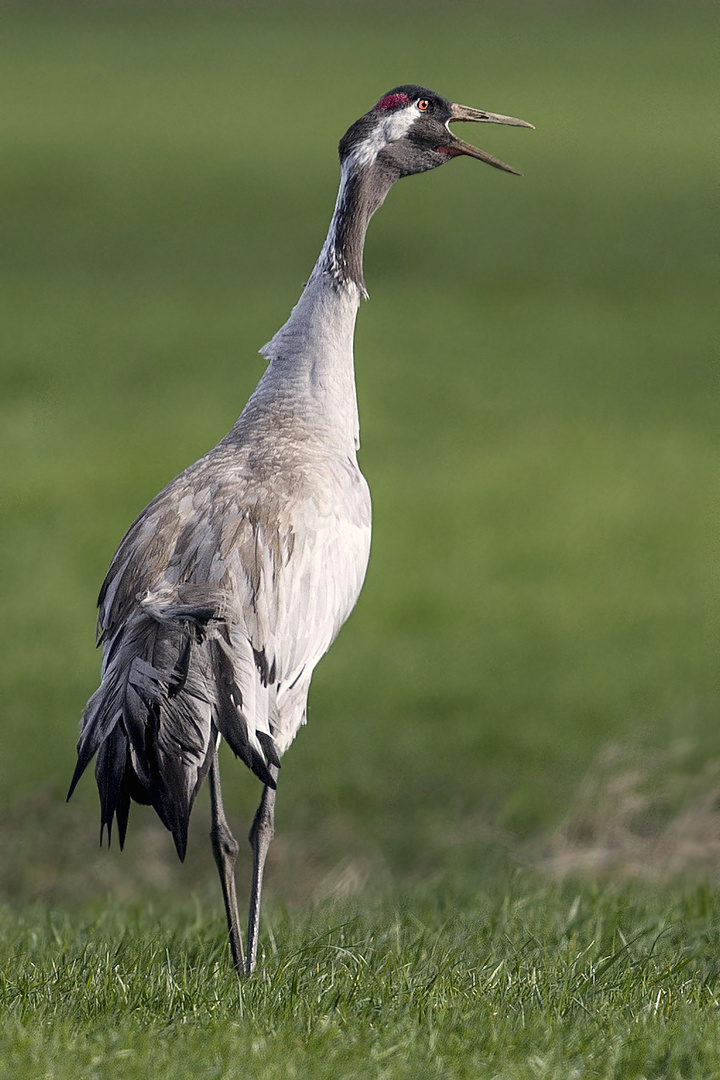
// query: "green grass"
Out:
[540,981]
[538,429]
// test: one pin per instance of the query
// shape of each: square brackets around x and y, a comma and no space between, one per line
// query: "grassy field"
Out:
[497,839]
[526,981]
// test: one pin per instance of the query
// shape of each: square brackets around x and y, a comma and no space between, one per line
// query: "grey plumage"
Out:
[234,581]
[216,608]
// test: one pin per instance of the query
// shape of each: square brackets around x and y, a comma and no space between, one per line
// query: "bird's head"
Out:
[408,131]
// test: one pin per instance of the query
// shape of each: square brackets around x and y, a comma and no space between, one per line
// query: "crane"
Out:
[235,579]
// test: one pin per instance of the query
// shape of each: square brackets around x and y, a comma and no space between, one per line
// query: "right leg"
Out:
[261,834]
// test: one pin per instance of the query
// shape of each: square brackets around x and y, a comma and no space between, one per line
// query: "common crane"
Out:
[234,581]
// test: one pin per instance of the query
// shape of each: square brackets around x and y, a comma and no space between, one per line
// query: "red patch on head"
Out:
[450,151]
[392,101]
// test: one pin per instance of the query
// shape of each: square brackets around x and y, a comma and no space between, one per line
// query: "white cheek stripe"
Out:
[390,129]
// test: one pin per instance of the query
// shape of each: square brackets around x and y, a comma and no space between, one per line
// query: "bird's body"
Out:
[234,581]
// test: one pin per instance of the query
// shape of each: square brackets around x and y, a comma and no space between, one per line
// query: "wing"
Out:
[220,600]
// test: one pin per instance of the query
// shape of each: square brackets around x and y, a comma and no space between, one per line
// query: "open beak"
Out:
[480,116]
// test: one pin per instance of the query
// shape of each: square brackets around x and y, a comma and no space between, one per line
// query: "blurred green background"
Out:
[536,409]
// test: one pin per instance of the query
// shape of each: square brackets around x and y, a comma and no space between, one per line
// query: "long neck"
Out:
[311,372]
[363,188]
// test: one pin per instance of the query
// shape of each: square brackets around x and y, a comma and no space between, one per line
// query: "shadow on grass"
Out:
[635,817]
[51,854]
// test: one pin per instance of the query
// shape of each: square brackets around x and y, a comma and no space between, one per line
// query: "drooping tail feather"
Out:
[168,689]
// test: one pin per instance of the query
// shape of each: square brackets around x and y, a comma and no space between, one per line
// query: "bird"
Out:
[235,579]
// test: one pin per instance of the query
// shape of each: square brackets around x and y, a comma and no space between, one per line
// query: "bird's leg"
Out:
[225,850]
[261,833]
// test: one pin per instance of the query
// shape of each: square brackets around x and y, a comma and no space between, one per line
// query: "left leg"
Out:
[225,849]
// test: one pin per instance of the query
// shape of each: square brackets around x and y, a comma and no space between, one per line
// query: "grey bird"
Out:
[233,582]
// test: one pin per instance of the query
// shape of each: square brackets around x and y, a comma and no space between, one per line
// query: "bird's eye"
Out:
[423,104]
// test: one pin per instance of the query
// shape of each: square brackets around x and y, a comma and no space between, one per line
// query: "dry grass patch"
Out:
[640,816]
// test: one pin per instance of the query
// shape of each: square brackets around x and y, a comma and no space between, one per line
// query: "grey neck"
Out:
[311,369]
[363,188]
